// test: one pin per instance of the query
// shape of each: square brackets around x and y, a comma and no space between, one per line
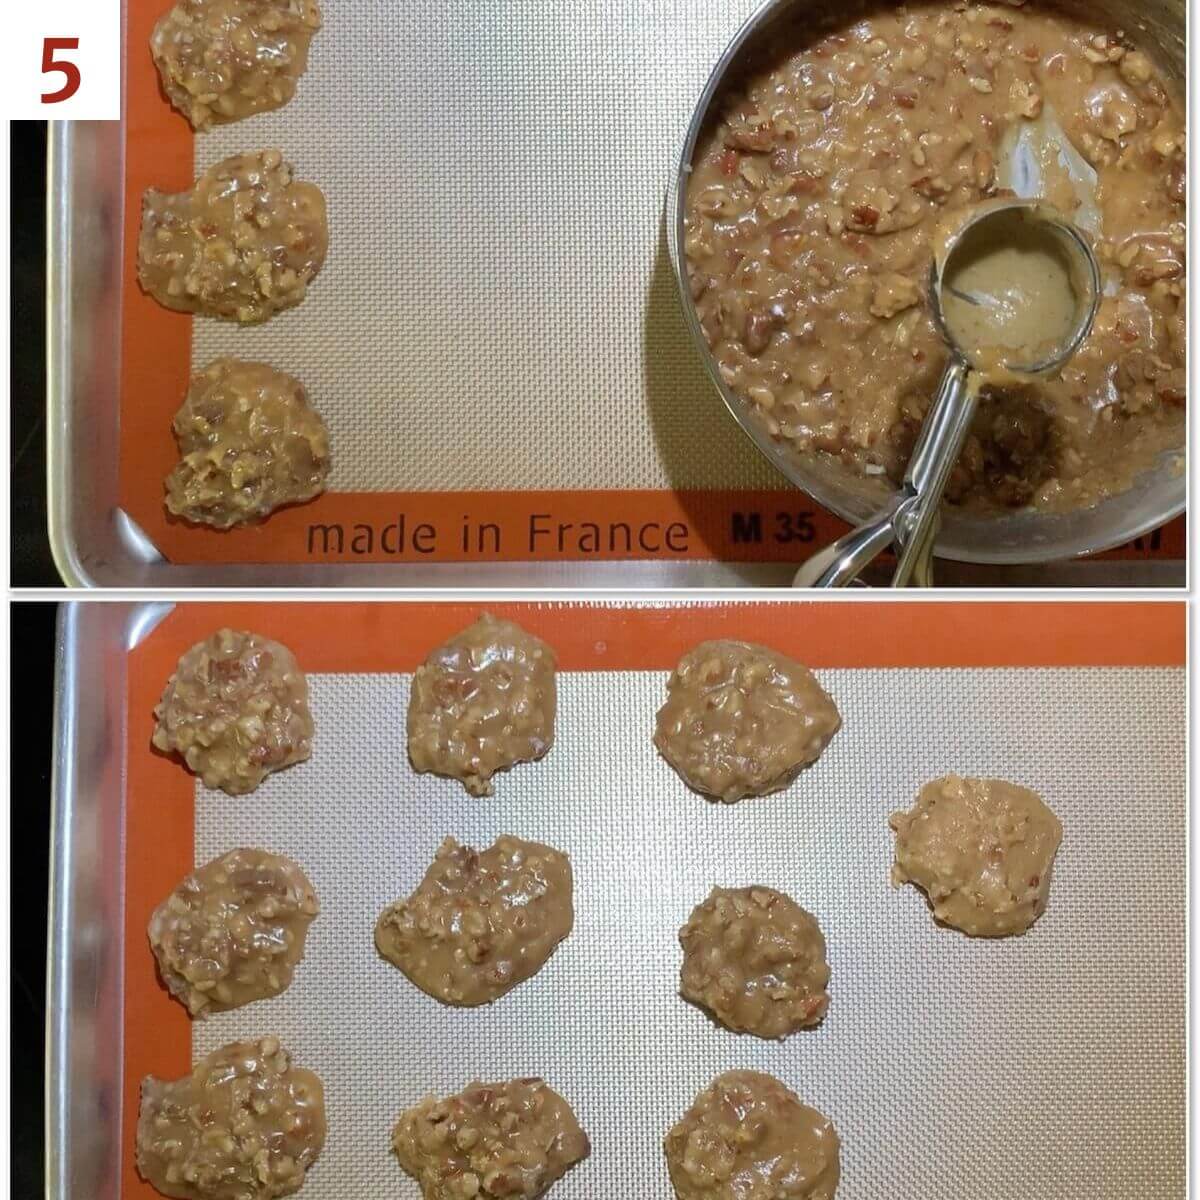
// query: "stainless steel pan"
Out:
[1026,536]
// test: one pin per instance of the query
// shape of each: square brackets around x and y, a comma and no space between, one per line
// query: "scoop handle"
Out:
[912,518]
[942,436]
[841,562]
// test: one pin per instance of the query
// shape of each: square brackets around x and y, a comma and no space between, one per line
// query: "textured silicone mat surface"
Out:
[497,310]
[1051,1064]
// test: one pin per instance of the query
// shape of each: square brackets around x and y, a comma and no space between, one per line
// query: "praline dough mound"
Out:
[747,1137]
[235,710]
[742,720]
[243,243]
[492,1141]
[233,930]
[249,443]
[983,851]
[480,922]
[224,60]
[244,1125]
[482,702]
[756,960]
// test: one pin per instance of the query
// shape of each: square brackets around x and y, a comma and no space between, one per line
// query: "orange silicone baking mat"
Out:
[495,341]
[1083,700]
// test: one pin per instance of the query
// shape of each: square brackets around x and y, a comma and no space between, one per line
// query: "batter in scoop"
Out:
[742,720]
[1010,291]
[747,1137]
[982,849]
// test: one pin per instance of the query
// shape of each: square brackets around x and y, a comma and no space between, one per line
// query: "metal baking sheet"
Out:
[495,341]
[951,1067]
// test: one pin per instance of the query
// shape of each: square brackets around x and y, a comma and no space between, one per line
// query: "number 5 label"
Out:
[71,79]
[61,60]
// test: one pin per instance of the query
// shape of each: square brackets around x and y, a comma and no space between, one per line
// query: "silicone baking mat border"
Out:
[336,638]
[774,525]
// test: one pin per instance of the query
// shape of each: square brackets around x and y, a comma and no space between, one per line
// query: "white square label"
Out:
[61,60]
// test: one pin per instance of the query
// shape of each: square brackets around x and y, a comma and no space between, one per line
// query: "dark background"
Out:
[32,565]
[32,730]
